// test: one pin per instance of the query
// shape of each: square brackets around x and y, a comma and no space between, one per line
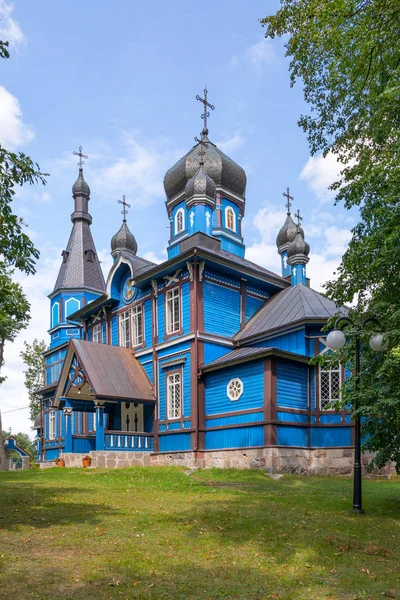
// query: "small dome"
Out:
[288,232]
[124,240]
[222,169]
[298,246]
[200,184]
[80,187]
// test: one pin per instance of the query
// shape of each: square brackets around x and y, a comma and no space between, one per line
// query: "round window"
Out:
[234,389]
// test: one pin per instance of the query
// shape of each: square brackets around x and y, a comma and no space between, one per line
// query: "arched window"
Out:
[179,221]
[230,221]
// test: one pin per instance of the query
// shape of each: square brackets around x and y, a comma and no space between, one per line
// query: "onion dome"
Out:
[222,169]
[80,187]
[123,240]
[200,185]
[299,249]
[287,233]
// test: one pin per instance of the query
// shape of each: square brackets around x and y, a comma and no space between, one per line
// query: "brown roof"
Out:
[112,371]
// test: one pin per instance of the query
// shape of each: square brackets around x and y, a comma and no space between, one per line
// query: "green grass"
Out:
[158,533]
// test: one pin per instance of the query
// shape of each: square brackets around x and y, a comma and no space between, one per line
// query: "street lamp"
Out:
[336,340]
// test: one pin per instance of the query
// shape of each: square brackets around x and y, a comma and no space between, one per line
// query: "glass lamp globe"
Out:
[378,342]
[335,339]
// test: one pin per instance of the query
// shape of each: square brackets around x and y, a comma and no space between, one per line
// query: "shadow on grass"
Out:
[42,506]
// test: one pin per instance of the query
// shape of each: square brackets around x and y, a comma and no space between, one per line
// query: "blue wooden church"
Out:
[202,360]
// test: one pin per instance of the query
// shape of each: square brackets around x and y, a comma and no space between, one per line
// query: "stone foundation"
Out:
[302,461]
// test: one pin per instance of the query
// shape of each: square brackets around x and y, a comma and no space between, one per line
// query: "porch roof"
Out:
[112,372]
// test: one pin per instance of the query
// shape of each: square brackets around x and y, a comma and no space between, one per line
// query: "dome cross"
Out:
[125,204]
[206,106]
[81,162]
[288,199]
[298,217]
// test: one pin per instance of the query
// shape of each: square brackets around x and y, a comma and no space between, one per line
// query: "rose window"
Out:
[234,389]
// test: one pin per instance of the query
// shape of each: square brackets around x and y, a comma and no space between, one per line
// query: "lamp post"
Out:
[336,340]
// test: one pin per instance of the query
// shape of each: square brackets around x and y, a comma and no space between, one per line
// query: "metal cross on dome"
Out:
[125,204]
[298,217]
[288,199]
[81,162]
[206,106]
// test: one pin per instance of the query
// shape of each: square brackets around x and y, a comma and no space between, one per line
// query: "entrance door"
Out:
[131,417]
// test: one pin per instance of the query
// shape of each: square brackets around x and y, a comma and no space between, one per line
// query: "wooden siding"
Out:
[175,441]
[254,417]
[292,342]
[214,351]
[252,376]
[292,417]
[221,309]
[148,323]
[326,437]
[114,330]
[148,369]
[252,306]
[243,437]
[291,385]
[292,436]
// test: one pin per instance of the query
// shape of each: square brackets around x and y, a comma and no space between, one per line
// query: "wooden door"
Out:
[131,417]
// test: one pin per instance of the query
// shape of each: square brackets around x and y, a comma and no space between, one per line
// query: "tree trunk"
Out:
[3,457]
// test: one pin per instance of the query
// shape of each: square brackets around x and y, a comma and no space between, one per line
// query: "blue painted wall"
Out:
[240,437]
[291,385]
[252,306]
[175,441]
[221,309]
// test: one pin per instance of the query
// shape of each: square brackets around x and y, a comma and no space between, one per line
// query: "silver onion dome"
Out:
[200,185]
[298,248]
[80,187]
[222,169]
[124,240]
[287,233]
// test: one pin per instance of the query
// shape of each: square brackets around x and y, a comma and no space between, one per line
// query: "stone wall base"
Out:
[47,464]
[302,461]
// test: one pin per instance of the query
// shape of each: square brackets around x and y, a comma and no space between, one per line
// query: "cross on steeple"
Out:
[206,105]
[288,198]
[201,152]
[125,204]
[81,162]
[298,217]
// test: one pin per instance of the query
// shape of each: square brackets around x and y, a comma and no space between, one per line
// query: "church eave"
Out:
[287,328]
[239,356]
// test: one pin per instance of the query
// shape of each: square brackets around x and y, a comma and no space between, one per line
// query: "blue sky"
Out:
[120,79]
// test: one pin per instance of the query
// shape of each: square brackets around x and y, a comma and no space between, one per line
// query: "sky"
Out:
[120,80]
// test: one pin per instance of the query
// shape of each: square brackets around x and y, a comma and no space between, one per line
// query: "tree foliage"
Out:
[34,375]
[346,53]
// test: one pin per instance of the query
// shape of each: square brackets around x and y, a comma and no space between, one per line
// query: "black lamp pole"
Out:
[357,483]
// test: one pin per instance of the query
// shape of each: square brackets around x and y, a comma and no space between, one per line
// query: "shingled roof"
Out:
[111,371]
[80,267]
[293,305]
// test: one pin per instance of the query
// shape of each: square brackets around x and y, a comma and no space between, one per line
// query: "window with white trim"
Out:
[179,220]
[97,333]
[52,425]
[234,389]
[230,221]
[174,396]
[124,329]
[329,386]
[173,299]
[137,325]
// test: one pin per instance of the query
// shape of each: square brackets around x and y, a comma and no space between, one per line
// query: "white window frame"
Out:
[174,395]
[124,329]
[52,425]
[137,323]
[323,402]
[229,210]
[234,389]
[179,226]
[173,311]
[97,333]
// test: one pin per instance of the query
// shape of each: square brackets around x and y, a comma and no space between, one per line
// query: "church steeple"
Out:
[124,238]
[80,278]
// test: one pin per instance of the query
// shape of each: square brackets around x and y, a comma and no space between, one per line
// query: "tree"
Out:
[34,375]
[347,54]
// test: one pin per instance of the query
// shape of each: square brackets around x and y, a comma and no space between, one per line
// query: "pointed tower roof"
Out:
[80,267]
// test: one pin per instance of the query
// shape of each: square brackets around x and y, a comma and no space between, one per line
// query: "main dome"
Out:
[222,169]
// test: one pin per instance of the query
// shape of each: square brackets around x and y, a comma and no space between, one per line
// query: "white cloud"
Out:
[320,173]
[230,145]
[135,168]
[13,131]
[257,57]
[328,244]
[10,31]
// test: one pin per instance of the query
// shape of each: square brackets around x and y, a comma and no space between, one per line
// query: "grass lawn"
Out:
[158,533]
